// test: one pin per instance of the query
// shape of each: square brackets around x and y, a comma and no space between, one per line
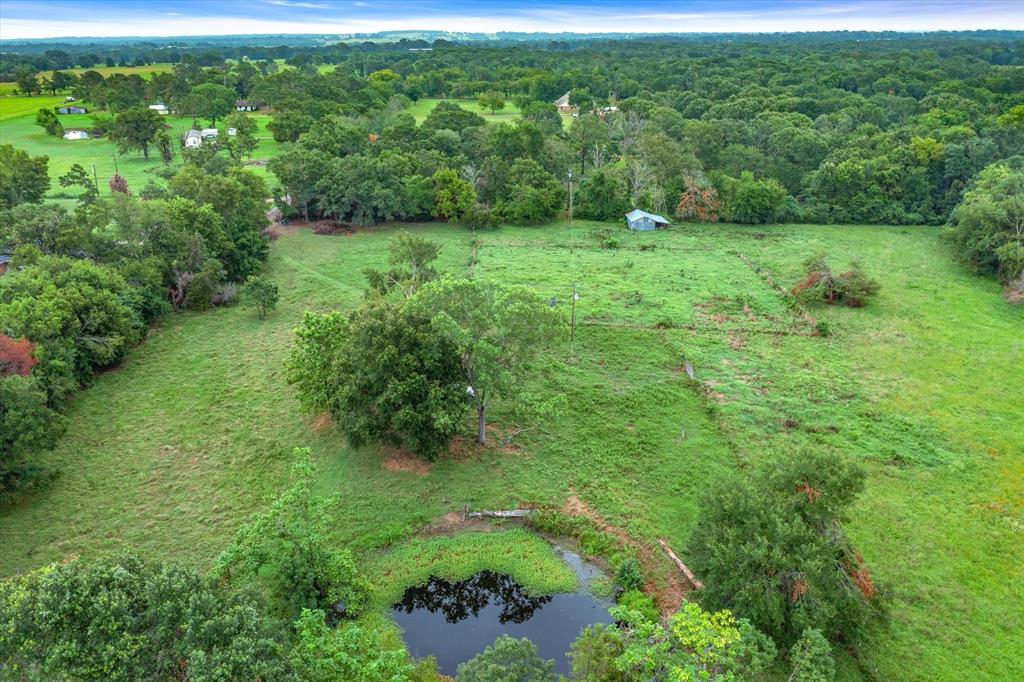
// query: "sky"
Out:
[56,18]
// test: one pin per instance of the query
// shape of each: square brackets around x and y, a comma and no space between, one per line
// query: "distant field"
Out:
[422,107]
[13,106]
[22,131]
[146,72]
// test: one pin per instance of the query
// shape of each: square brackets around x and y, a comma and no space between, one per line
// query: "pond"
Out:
[454,621]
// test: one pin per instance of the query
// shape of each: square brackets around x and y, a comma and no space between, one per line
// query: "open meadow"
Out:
[172,451]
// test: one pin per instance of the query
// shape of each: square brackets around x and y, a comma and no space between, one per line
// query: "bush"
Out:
[811,658]
[694,645]
[347,652]
[698,202]
[594,655]
[852,288]
[27,425]
[126,619]
[287,549]
[637,601]
[260,293]
[628,574]
[507,660]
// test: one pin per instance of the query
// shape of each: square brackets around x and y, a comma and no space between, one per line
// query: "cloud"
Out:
[306,5]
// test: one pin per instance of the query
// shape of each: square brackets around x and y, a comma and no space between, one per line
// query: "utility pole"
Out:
[575,294]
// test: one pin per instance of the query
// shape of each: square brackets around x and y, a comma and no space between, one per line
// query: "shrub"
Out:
[260,293]
[637,601]
[811,658]
[119,184]
[695,645]
[594,655]
[628,574]
[698,202]
[507,660]
[27,425]
[852,288]
[348,652]
[287,548]
[16,356]
[225,294]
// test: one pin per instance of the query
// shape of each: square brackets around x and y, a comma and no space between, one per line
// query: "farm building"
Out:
[76,134]
[5,262]
[209,132]
[246,105]
[72,110]
[160,108]
[193,139]
[563,105]
[644,221]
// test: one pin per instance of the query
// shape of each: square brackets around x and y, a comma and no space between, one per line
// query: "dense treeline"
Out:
[83,286]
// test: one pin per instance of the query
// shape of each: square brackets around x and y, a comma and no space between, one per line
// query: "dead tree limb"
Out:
[679,563]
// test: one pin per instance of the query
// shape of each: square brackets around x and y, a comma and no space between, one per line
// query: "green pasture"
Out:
[171,452]
[23,133]
[421,107]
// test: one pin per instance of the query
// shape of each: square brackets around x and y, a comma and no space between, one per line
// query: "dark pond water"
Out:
[454,621]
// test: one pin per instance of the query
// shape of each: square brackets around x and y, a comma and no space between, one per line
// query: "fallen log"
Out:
[508,514]
[682,567]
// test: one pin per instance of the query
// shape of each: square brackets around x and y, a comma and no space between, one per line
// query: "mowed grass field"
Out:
[171,452]
[422,107]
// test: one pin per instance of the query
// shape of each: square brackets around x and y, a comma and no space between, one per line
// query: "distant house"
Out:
[644,221]
[604,111]
[72,110]
[193,139]
[209,132]
[246,105]
[69,98]
[76,134]
[232,131]
[160,108]
[563,105]
[5,262]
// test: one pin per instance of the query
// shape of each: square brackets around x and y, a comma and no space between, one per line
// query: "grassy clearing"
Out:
[15,106]
[421,107]
[23,133]
[174,450]
[518,553]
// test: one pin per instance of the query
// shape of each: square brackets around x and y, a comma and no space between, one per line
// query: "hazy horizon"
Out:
[42,19]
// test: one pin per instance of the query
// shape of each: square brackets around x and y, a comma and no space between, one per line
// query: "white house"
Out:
[160,108]
[208,132]
[232,131]
[193,139]
[246,105]
[76,135]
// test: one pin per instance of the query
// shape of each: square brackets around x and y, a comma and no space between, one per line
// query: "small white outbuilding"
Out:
[76,135]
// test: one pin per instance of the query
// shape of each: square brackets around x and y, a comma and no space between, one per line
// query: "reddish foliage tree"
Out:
[119,184]
[698,202]
[16,356]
